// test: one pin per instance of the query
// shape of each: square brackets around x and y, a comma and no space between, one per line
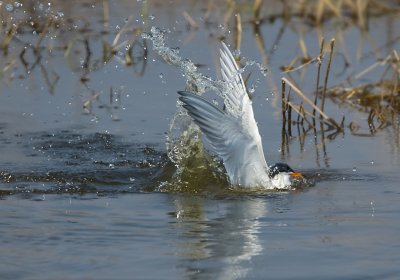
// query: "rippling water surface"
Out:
[87,186]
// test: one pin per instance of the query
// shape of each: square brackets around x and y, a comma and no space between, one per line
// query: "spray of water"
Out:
[184,145]
[198,81]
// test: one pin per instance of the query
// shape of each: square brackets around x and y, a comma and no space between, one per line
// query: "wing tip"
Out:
[224,46]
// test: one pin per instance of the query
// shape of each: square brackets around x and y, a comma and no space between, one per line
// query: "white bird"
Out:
[233,133]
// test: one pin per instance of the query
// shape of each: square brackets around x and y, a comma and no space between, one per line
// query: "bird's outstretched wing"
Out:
[236,99]
[237,149]
[232,133]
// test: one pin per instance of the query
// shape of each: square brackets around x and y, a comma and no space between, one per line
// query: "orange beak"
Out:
[296,174]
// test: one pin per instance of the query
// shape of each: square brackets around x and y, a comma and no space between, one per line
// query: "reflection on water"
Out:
[227,231]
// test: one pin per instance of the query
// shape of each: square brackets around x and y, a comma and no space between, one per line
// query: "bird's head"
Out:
[283,176]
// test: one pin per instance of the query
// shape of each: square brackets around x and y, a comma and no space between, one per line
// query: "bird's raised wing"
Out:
[236,99]
[237,148]
[235,94]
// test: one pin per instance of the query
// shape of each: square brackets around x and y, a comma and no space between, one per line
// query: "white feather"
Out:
[233,132]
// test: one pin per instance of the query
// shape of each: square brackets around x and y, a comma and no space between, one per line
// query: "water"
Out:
[88,191]
[192,236]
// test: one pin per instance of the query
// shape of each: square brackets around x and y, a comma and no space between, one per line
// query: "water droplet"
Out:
[373,208]
[236,53]
[354,169]
[179,214]
[264,70]
[132,179]
[372,162]
[9,8]
[161,75]
[252,89]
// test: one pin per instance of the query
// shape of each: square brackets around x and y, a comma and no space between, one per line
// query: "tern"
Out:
[233,134]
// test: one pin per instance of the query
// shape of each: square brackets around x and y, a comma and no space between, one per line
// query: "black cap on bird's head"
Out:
[282,168]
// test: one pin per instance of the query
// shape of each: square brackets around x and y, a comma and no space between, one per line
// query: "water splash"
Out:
[183,137]
[184,145]
[198,81]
